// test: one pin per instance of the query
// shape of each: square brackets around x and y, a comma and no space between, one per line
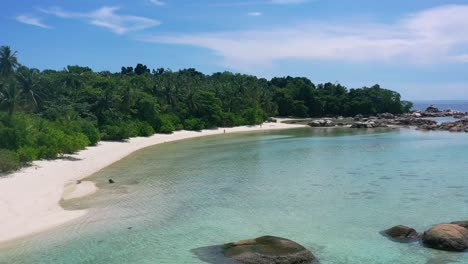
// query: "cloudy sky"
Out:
[417,47]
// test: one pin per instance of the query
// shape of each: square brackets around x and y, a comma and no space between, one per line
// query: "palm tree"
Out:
[9,97]
[8,61]
[29,83]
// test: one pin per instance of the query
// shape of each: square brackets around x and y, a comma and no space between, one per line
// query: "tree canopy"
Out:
[47,113]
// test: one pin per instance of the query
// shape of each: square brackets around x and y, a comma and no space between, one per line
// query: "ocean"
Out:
[331,190]
[459,105]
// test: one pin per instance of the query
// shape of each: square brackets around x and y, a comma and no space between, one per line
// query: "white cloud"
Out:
[157,2]
[30,20]
[430,36]
[254,14]
[108,18]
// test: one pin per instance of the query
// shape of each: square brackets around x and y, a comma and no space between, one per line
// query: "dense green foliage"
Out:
[48,113]
[9,160]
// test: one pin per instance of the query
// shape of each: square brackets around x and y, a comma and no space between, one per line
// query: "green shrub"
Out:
[28,153]
[8,138]
[166,124]
[72,143]
[50,142]
[231,120]
[130,129]
[113,133]
[91,132]
[194,124]
[175,120]
[254,116]
[167,128]
[123,130]
[9,160]
[145,129]
[47,153]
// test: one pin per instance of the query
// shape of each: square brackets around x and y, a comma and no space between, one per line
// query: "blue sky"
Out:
[417,47]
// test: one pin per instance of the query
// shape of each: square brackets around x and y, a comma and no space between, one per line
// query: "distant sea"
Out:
[458,105]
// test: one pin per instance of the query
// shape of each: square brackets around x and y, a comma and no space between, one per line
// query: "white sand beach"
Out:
[29,198]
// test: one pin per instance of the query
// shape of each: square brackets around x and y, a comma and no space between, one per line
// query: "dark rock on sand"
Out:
[447,237]
[402,233]
[268,249]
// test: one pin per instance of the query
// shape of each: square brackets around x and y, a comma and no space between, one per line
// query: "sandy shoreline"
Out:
[29,198]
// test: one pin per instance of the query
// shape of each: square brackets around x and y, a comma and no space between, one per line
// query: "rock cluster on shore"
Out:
[457,126]
[415,119]
[322,123]
[433,111]
[447,237]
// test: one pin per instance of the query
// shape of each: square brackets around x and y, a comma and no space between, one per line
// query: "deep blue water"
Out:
[459,105]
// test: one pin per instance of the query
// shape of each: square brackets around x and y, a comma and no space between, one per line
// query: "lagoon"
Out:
[331,190]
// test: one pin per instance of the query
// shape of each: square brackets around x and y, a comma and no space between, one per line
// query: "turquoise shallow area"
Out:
[331,190]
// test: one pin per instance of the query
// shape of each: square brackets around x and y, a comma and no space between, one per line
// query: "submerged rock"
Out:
[111,181]
[449,237]
[402,233]
[268,249]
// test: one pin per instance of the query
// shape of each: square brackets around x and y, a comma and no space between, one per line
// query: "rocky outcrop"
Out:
[322,123]
[406,120]
[363,125]
[268,249]
[449,237]
[358,117]
[433,111]
[457,126]
[460,115]
[386,116]
[402,233]
[409,121]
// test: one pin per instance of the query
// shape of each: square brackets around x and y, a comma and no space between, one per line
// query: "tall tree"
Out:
[8,61]
[9,97]
[28,80]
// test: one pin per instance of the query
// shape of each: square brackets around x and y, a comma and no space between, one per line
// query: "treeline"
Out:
[48,113]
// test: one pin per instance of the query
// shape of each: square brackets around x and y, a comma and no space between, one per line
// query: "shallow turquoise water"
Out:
[331,190]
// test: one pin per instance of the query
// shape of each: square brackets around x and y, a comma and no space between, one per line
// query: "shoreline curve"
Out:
[29,198]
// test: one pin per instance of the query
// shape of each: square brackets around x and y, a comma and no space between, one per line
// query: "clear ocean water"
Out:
[331,190]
